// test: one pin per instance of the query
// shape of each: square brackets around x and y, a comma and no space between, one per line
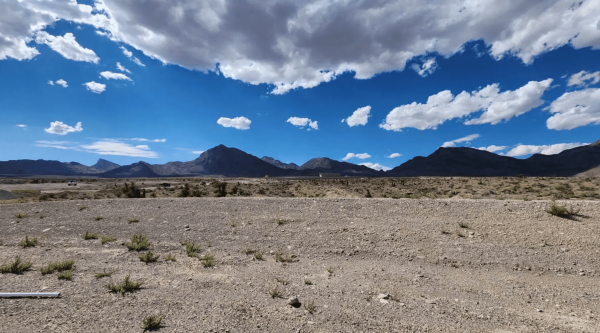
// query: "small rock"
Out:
[384,298]
[539,310]
[430,301]
[294,301]
[186,226]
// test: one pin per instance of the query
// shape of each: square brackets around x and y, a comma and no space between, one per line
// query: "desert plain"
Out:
[428,258]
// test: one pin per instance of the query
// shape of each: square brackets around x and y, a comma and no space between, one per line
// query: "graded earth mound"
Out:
[356,265]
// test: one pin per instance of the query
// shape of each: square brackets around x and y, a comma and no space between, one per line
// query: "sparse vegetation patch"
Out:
[16,267]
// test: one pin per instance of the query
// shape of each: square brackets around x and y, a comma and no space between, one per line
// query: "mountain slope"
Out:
[279,164]
[44,167]
[104,165]
[324,164]
[139,169]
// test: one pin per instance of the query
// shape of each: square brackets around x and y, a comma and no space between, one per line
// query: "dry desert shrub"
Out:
[57,266]
[149,257]
[16,267]
[126,286]
[87,236]
[28,242]
[138,242]
[152,322]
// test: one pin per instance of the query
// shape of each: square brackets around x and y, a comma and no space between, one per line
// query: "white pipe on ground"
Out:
[29,295]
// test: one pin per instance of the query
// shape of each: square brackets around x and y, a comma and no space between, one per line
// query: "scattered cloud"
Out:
[394,155]
[522,150]
[575,109]
[467,138]
[67,46]
[444,106]
[359,117]
[584,78]
[138,62]
[148,140]
[376,166]
[302,44]
[114,76]
[197,152]
[493,148]
[114,147]
[427,67]
[95,87]
[62,83]
[126,52]
[241,123]
[301,122]
[22,126]
[64,145]
[362,156]
[122,68]
[59,128]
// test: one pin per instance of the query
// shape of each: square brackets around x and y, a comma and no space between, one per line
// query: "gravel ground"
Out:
[367,265]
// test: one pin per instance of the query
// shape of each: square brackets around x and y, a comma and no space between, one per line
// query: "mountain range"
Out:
[232,162]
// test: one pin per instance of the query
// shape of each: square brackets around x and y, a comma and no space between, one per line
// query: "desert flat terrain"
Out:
[356,265]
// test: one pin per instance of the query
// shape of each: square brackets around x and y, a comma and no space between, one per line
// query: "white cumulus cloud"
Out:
[575,109]
[301,122]
[395,155]
[522,150]
[95,87]
[584,78]
[22,126]
[376,166]
[493,148]
[148,140]
[241,123]
[126,52]
[359,117]
[115,147]
[62,83]
[443,106]
[59,128]
[114,76]
[362,156]
[301,44]
[122,68]
[467,138]
[67,46]
[427,67]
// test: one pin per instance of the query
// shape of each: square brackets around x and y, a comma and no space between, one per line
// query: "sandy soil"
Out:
[510,267]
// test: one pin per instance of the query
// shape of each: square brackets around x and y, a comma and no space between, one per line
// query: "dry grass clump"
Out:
[104,274]
[148,257]
[152,322]
[170,257]
[28,242]
[16,267]
[58,266]
[258,255]
[562,211]
[126,286]
[66,275]
[133,220]
[208,260]
[107,239]
[87,236]
[138,242]
[98,218]
[191,248]
[20,215]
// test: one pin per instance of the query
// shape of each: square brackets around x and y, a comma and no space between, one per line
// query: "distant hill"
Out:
[104,165]
[279,164]
[45,168]
[232,162]
[464,161]
[135,170]
[327,165]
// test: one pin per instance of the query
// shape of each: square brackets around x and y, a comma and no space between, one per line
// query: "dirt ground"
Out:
[500,188]
[356,265]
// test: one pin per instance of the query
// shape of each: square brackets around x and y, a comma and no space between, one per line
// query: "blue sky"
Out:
[367,82]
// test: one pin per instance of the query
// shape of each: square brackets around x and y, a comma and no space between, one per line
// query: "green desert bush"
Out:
[107,239]
[138,242]
[191,249]
[126,286]
[57,266]
[170,257]
[66,275]
[208,260]
[152,322]
[28,242]
[16,267]
[87,236]
[148,257]
[104,274]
